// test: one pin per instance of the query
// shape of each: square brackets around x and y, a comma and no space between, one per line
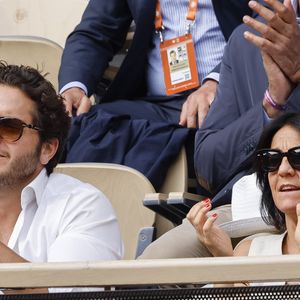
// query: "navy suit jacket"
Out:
[102,32]
[225,145]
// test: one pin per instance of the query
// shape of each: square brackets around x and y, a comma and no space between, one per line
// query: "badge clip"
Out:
[188,27]
[159,32]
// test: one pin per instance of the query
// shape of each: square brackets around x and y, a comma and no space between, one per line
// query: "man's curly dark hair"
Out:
[51,114]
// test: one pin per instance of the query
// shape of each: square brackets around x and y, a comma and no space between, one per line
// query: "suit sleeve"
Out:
[225,145]
[93,43]
[229,15]
[228,136]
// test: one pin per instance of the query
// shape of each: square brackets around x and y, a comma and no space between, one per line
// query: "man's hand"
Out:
[75,98]
[195,108]
[211,235]
[280,36]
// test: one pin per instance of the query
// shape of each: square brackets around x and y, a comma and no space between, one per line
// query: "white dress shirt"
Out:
[64,219]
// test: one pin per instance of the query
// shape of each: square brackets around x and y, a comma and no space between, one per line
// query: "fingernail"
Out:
[246,19]
[252,4]
[207,200]
[246,34]
[214,215]
[207,205]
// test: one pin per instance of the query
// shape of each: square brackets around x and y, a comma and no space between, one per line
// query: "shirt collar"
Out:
[35,189]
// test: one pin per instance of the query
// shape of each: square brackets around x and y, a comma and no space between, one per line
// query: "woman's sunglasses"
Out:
[270,159]
[11,129]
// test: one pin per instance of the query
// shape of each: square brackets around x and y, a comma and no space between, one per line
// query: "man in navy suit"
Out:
[161,122]
[101,34]
[225,145]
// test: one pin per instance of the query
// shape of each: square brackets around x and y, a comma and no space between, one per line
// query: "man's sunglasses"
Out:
[11,129]
[270,159]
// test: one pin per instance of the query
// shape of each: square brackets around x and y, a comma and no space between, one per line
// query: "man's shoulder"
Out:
[65,193]
[65,184]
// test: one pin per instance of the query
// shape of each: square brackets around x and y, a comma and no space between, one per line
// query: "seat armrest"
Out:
[158,203]
[183,201]
[173,206]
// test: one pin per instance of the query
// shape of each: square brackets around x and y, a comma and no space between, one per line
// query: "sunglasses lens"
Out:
[294,158]
[269,160]
[10,129]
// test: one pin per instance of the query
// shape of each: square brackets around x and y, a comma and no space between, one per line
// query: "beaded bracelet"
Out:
[273,103]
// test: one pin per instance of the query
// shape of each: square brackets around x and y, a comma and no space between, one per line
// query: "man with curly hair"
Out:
[45,216]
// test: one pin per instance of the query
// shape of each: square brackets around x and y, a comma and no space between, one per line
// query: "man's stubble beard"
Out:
[21,169]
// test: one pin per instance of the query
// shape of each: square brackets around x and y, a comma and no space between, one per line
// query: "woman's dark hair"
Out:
[270,213]
[51,114]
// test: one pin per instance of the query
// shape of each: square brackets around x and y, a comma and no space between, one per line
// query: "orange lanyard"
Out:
[191,16]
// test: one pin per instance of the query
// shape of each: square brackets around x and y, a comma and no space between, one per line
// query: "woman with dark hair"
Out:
[277,165]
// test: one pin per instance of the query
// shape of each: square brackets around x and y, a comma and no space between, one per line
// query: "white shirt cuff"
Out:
[72,84]
[214,75]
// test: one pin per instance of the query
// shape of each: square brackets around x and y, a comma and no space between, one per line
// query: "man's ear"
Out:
[48,150]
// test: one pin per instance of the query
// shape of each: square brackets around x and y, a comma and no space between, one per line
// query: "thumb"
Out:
[287,3]
[183,115]
[84,106]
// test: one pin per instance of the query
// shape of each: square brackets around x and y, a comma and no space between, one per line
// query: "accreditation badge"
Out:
[179,64]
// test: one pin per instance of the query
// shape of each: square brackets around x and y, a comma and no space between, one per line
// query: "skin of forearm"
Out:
[9,256]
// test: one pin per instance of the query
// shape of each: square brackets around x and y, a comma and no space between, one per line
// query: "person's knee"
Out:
[182,241]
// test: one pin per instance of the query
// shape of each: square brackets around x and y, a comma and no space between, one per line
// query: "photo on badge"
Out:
[179,64]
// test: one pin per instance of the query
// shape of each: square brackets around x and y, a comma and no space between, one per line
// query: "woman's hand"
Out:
[211,235]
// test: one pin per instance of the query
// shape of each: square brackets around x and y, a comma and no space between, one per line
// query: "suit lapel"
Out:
[143,13]
[229,14]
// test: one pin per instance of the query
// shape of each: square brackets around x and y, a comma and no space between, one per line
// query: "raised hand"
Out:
[211,235]
[280,35]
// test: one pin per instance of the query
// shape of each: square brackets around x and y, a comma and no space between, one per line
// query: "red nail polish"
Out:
[207,205]
[207,200]
[214,215]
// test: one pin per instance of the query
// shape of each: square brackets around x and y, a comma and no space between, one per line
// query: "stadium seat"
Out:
[52,20]
[37,52]
[173,200]
[126,189]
